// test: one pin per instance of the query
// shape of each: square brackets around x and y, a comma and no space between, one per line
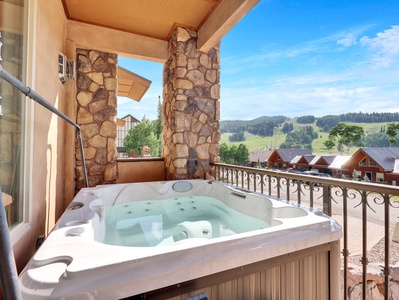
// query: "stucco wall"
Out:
[48,181]
[140,170]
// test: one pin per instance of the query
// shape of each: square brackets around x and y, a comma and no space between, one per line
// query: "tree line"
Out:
[231,154]
[146,133]
[300,138]
[263,126]
[327,122]
[348,135]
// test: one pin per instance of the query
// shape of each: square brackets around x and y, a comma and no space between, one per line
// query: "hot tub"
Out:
[117,241]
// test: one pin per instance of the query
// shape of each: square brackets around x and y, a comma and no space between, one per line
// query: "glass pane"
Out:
[363,162]
[11,109]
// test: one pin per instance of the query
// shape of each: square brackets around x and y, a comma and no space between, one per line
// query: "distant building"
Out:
[124,125]
[336,165]
[372,164]
[281,158]
[377,164]
[259,157]
[302,162]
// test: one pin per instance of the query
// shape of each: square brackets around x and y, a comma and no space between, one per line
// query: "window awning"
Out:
[131,85]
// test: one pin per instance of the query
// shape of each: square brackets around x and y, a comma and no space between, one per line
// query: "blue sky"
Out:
[299,57]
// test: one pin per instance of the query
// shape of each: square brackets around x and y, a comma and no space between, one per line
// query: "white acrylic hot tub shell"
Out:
[72,265]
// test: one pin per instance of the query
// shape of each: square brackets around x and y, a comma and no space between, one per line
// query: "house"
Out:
[124,125]
[322,163]
[336,165]
[282,158]
[259,157]
[377,164]
[302,162]
[67,52]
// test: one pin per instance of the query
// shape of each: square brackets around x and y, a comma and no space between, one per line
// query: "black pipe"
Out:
[8,270]
[39,99]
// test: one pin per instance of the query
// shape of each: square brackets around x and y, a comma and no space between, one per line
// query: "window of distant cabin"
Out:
[12,110]
[379,177]
[363,162]
[372,163]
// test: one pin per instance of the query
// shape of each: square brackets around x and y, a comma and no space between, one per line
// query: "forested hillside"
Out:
[307,131]
[262,126]
[328,122]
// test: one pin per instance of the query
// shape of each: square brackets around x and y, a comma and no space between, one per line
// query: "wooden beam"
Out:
[224,18]
[119,42]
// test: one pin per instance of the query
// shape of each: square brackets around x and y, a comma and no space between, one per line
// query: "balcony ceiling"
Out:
[143,27]
[155,18]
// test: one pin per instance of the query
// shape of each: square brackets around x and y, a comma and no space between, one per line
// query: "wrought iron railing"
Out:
[335,197]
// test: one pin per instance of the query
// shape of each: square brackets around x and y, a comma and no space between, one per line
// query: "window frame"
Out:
[363,162]
[22,228]
[372,163]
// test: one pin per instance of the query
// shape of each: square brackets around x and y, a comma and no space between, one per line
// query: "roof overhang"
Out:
[141,29]
[131,85]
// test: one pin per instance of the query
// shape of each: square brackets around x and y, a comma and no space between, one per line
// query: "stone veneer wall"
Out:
[375,282]
[96,96]
[191,108]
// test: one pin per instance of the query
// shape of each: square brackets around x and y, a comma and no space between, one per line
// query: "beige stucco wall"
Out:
[140,170]
[48,177]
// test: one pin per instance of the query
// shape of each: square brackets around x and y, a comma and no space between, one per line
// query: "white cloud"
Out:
[314,94]
[385,46]
[349,40]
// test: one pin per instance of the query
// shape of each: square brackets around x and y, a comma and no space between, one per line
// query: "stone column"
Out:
[191,92]
[96,96]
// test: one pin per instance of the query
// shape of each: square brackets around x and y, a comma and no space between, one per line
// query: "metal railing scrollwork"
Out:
[371,202]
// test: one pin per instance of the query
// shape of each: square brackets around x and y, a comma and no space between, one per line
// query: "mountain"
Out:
[279,131]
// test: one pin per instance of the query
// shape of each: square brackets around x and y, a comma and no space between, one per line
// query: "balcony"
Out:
[367,212]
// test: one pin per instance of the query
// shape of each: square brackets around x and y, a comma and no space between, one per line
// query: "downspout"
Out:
[39,99]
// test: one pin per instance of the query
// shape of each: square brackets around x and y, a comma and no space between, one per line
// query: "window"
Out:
[372,163]
[363,162]
[12,110]
[124,126]
[379,177]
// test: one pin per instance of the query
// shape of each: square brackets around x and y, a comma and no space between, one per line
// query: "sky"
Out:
[299,57]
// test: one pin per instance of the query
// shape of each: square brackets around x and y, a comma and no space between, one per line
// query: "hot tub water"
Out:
[152,223]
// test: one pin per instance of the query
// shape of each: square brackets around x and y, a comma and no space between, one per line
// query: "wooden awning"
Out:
[131,85]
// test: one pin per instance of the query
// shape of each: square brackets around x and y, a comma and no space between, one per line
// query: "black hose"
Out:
[8,270]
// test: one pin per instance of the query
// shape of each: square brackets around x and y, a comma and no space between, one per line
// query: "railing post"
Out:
[327,200]
[278,186]
[299,197]
[345,251]
[364,260]
[386,269]
[261,183]
[269,177]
